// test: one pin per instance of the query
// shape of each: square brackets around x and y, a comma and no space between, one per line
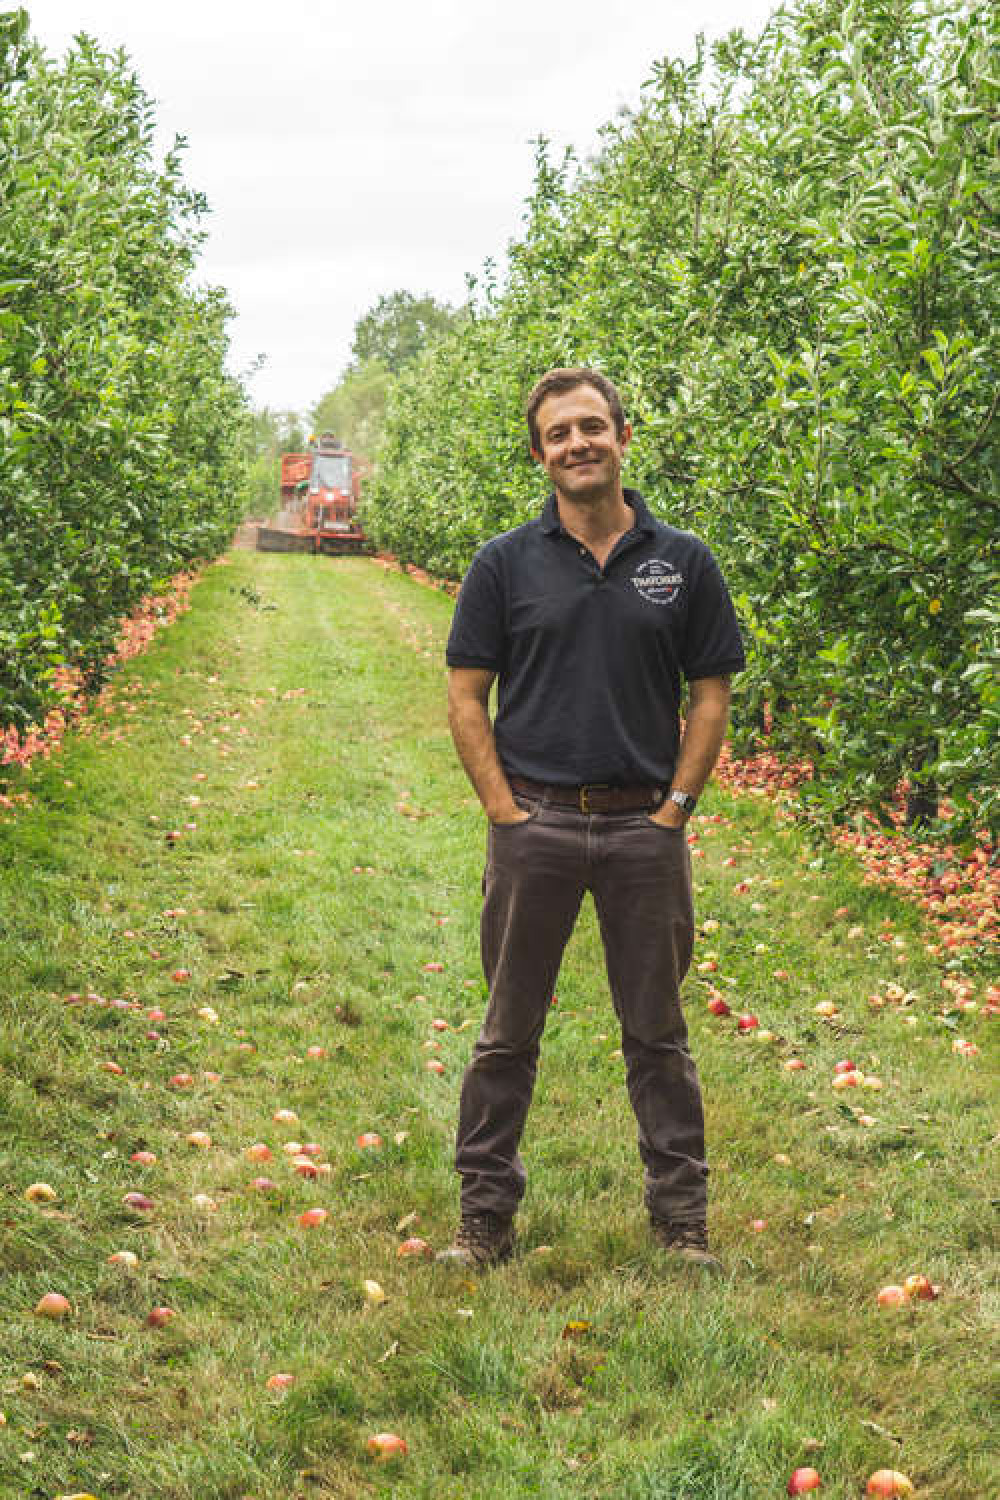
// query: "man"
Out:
[589,615]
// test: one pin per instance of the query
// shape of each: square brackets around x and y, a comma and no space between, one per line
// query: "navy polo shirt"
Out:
[589,660]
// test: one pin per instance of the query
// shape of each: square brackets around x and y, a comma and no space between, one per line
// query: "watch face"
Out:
[684,800]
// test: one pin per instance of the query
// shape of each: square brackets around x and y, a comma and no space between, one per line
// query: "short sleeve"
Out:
[713,646]
[478,628]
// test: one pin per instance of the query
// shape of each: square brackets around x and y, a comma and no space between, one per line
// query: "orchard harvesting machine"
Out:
[319,502]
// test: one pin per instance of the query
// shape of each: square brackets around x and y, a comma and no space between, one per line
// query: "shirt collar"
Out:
[551,524]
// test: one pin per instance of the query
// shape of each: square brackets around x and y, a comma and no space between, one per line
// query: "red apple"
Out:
[180,976]
[414,1247]
[386,1445]
[280,1382]
[803,1480]
[316,1052]
[138,1201]
[434,1065]
[144,1158]
[793,1064]
[313,1218]
[53,1305]
[264,1185]
[921,1287]
[111,1067]
[891,1296]
[747,1023]
[258,1152]
[180,1081]
[160,1316]
[888,1482]
[369,1141]
[718,1006]
[844,1066]
[434,968]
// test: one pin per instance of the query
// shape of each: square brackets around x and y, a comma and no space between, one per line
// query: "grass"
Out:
[337,851]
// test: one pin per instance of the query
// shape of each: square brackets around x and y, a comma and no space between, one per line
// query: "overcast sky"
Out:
[348,150]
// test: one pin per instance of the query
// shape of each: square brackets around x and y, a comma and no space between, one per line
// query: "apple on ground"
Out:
[803,1480]
[889,1483]
[40,1192]
[53,1305]
[747,1023]
[126,1258]
[891,1296]
[313,1218]
[159,1317]
[386,1445]
[414,1246]
[280,1382]
[258,1152]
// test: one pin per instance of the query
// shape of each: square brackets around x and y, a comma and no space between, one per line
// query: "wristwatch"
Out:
[684,801]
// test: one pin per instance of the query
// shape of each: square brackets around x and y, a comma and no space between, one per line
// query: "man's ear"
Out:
[626,434]
[535,455]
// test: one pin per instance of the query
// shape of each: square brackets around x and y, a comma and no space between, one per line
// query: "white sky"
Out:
[348,150]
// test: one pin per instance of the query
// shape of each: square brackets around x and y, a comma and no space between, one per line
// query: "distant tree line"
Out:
[788,257]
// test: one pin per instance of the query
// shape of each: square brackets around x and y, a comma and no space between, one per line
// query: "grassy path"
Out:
[290,731]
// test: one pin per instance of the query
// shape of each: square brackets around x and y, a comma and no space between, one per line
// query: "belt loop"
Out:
[584,804]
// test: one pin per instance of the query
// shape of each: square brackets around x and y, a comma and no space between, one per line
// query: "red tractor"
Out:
[319,502]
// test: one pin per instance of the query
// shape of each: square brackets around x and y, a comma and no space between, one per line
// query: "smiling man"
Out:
[588,618]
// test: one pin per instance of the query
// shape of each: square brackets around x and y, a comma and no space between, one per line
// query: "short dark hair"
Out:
[560,380]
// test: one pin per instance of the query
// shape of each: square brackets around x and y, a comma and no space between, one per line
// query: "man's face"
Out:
[579,448]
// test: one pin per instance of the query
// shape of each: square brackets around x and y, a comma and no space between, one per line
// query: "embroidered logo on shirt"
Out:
[658,582]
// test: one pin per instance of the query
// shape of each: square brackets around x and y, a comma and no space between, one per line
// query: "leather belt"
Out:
[592,799]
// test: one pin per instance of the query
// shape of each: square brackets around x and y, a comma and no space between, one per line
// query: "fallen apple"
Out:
[126,1258]
[313,1218]
[305,1167]
[199,1138]
[180,1081]
[280,1382]
[889,1482]
[747,1023]
[285,1117]
[53,1305]
[847,1080]
[891,1296]
[374,1294]
[111,1067]
[40,1192]
[386,1445]
[264,1185]
[718,1006]
[434,1065]
[370,1140]
[414,1246]
[316,1052]
[793,1064]
[844,1066]
[258,1152]
[138,1201]
[180,976]
[204,1203]
[310,1148]
[920,1287]
[160,1316]
[825,1008]
[803,1480]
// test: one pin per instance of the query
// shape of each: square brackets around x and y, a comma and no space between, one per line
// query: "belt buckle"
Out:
[597,786]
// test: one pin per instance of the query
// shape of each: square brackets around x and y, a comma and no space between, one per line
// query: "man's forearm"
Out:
[472,732]
[704,733]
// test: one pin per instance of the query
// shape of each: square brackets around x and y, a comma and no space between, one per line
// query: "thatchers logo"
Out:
[658,582]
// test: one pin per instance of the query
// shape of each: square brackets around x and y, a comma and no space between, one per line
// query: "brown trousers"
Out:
[536,874]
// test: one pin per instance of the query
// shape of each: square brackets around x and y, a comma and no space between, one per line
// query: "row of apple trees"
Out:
[789,259]
[122,437]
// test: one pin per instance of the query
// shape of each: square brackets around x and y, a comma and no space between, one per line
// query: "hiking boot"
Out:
[687,1244]
[482,1240]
